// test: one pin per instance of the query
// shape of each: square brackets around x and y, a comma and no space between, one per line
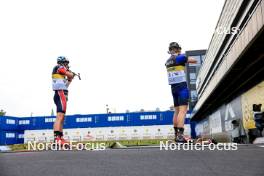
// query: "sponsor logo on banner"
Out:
[88,136]
[146,134]
[123,134]
[99,135]
[135,134]
[159,134]
[42,139]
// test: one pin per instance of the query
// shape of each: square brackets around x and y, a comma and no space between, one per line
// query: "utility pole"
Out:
[107,109]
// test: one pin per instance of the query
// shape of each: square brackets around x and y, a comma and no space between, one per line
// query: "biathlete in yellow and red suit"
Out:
[61,79]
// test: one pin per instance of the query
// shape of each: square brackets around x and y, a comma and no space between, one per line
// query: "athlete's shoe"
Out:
[61,141]
[180,139]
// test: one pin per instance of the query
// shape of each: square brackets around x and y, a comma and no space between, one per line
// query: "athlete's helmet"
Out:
[174,45]
[62,60]
[67,60]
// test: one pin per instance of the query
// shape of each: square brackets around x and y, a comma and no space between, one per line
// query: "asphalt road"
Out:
[246,161]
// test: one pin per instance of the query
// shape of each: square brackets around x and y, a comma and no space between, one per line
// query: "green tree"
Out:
[2,112]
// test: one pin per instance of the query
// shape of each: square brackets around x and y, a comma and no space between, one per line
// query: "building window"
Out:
[148,117]
[192,78]
[193,95]
[192,69]
[115,118]
[23,122]
[84,119]
[20,136]
[10,121]
[202,58]
[10,135]
[49,120]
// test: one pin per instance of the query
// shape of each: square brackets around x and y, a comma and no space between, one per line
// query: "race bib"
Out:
[59,84]
[176,75]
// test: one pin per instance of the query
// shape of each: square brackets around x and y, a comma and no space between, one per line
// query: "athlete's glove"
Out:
[74,74]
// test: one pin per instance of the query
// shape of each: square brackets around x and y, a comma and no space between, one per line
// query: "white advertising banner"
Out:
[215,122]
[107,133]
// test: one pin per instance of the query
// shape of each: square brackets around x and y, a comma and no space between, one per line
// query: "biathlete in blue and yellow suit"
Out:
[177,79]
[61,79]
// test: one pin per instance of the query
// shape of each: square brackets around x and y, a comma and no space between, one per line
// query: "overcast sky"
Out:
[118,46]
